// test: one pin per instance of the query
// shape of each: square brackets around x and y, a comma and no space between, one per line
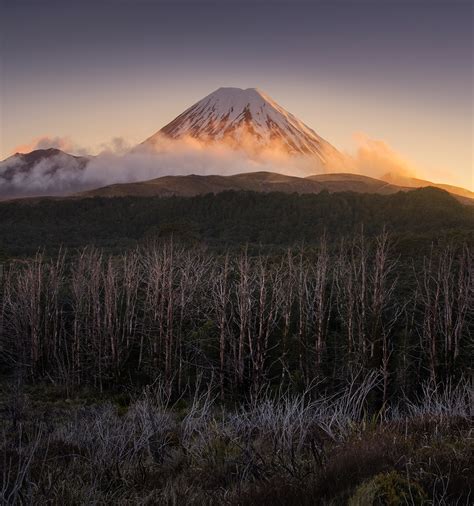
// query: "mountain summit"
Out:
[247,119]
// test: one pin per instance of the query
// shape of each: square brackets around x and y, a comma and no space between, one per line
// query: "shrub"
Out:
[388,489]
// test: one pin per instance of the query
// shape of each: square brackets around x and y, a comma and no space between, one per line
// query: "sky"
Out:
[395,71]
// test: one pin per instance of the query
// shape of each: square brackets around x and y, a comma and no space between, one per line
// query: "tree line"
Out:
[229,219]
[238,321]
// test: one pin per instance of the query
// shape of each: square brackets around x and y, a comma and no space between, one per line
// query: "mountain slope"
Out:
[339,182]
[189,186]
[40,172]
[247,119]
[412,182]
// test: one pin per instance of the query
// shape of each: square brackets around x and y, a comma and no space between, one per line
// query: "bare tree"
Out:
[445,296]
[221,294]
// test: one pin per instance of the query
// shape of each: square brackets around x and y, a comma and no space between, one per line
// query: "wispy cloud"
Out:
[374,158]
[118,163]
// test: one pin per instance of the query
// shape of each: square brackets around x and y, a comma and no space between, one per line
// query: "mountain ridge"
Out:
[193,184]
[245,119]
[26,174]
[413,182]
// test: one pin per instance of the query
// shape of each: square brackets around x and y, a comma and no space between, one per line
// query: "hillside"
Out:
[413,182]
[188,186]
[339,182]
[41,172]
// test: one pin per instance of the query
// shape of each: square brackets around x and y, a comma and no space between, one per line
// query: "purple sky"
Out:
[399,71]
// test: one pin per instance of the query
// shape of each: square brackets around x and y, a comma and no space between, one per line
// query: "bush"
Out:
[388,489]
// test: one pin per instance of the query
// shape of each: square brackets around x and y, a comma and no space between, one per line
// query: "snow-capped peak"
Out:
[245,117]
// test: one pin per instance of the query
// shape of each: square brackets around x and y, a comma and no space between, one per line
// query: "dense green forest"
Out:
[230,219]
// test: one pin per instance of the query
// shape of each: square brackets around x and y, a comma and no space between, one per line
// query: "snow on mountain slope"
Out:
[246,119]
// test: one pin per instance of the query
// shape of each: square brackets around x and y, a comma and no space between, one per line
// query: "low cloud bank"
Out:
[55,175]
[189,156]
[118,163]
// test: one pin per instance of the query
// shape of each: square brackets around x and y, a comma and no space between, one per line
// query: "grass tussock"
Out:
[271,450]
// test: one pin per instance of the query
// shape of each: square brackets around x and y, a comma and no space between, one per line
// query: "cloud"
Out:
[118,163]
[187,156]
[377,157]
[54,175]
[374,158]
[117,146]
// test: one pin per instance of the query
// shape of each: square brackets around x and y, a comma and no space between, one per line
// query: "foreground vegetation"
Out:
[195,370]
[270,450]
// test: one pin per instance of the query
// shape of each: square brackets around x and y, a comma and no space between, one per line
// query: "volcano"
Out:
[249,120]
